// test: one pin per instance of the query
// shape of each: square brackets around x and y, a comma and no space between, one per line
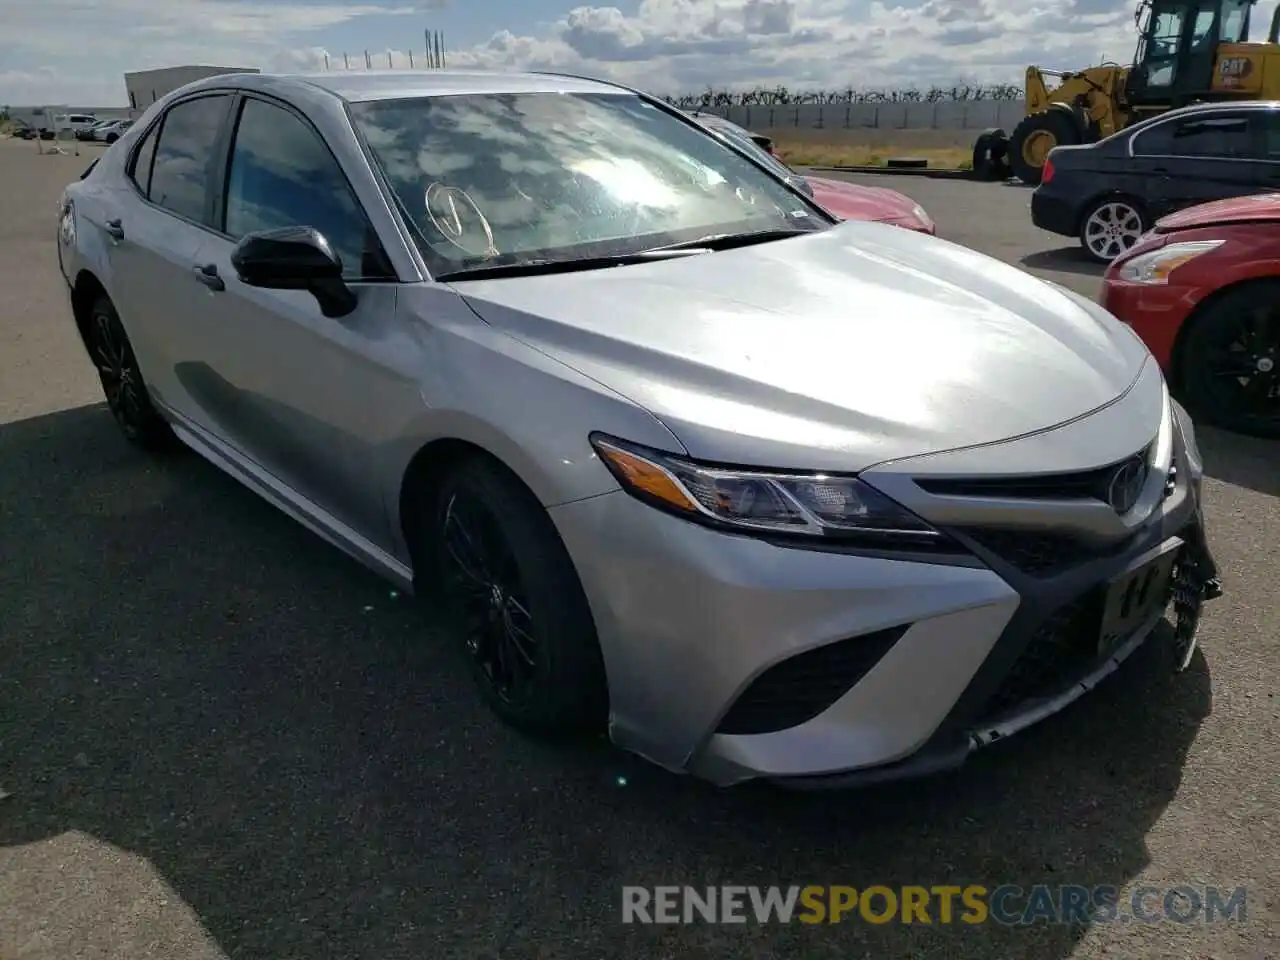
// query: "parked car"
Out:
[1109,193]
[844,200]
[720,124]
[1203,291]
[110,132]
[763,494]
[75,122]
[86,133]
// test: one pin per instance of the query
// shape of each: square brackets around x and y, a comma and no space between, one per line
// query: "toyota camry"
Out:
[762,494]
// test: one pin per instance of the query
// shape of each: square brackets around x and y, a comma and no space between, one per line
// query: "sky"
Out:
[75,52]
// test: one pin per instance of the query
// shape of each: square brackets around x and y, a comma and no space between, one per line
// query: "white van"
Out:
[74,122]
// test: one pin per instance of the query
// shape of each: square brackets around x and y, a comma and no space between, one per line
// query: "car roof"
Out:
[1216,106]
[357,86]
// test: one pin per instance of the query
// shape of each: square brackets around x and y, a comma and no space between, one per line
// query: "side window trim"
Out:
[131,168]
[220,165]
[1253,132]
[227,144]
[158,126]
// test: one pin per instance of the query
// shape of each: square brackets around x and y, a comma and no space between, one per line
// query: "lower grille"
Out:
[1039,553]
[801,687]
[1061,652]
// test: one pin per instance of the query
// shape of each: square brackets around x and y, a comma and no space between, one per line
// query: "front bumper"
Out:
[1154,311]
[733,659]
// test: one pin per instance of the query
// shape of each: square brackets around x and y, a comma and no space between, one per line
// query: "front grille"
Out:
[801,687]
[1060,653]
[1084,485]
[1039,553]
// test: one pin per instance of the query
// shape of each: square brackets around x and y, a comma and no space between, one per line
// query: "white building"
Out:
[145,87]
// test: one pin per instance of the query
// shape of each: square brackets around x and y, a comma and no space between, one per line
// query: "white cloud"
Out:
[667,46]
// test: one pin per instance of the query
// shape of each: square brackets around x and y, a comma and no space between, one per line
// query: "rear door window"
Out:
[182,175]
[1229,136]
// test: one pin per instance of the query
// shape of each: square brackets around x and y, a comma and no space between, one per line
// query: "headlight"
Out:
[1155,267]
[918,212]
[841,508]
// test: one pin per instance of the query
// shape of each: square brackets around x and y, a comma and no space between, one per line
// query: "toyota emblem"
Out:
[1126,485]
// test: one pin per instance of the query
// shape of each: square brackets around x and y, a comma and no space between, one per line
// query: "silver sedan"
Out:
[763,494]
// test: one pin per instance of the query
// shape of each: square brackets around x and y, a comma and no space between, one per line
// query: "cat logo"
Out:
[1235,68]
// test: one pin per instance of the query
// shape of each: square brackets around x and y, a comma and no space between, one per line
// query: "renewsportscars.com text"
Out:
[1006,904]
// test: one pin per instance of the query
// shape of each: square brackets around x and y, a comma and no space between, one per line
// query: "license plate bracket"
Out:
[1135,595]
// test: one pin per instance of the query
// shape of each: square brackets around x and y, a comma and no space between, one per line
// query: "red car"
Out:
[846,201]
[851,201]
[1202,289]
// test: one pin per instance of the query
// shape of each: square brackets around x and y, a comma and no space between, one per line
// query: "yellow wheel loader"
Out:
[1189,51]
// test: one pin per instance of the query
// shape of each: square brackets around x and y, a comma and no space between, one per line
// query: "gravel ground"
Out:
[220,738]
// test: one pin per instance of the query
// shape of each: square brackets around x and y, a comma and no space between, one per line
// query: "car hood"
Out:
[833,351]
[852,201]
[1251,209]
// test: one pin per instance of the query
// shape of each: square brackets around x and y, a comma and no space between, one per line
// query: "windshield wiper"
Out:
[685,248]
[524,268]
[726,241]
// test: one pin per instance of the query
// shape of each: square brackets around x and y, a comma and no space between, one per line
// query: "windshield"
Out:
[509,178]
[742,139]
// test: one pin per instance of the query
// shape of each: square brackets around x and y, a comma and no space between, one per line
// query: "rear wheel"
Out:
[1229,367]
[122,383]
[1111,226]
[514,598]
[1034,137]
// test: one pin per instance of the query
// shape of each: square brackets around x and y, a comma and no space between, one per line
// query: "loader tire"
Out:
[990,152]
[1034,137]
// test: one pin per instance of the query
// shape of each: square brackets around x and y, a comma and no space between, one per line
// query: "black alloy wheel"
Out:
[1231,360]
[122,382]
[483,580]
[515,601]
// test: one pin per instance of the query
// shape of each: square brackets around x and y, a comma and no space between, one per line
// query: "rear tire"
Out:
[121,379]
[1229,360]
[1034,137]
[512,595]
[1111,226]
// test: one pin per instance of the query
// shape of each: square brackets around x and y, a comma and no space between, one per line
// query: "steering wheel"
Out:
[451,211]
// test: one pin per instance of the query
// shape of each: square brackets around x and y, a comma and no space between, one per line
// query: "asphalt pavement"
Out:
[221,738]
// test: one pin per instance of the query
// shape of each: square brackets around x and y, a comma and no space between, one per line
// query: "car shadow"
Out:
[1065,260]
[197,680]
[1239,460]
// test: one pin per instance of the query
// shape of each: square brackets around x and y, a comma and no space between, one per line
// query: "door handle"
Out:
[1161,171]
[115,229]
[207,273]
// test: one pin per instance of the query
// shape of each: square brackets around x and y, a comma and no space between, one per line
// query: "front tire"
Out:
[513,596]
[122,383]
[1229,367]
[1111,226]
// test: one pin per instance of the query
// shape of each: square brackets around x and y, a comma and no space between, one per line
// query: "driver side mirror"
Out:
[294,258]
